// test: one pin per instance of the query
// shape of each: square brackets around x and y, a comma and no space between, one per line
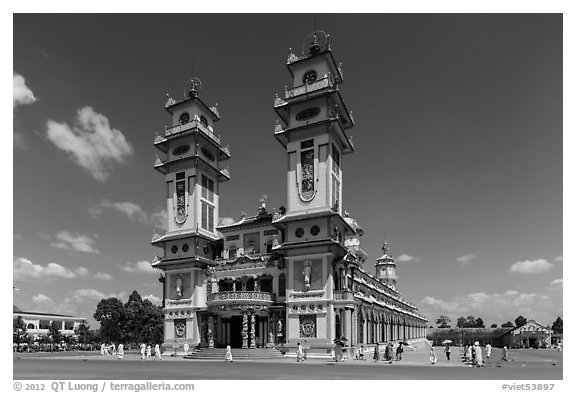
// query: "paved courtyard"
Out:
[526,365]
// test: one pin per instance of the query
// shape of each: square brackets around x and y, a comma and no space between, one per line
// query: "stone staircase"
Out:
[237,354]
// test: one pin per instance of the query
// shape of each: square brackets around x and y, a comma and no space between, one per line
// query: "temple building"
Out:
[292,275]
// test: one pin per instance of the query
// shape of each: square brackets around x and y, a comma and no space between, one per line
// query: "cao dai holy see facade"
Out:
[294,275]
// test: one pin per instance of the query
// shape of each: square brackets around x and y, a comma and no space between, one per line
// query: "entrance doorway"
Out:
[236,331]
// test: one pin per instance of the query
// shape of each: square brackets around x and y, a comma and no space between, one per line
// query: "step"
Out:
[237,353]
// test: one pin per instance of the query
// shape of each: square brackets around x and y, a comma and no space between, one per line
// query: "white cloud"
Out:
[133,211]
[22,93]
[103,276]
[88,295]
[227,221]
[498,307]
[557,284]
[76,242]
[466,259]
[531,267]
[81,271]
[407,258]
[154,299]
[24,270]
[138,267]
[42,299]
[91,143]
[159,219]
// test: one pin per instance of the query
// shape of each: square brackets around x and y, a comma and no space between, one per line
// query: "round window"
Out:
[309,77]
[307,114]
[184,118]
[299,232]
[182,149]
[174,249]
[185,248]
[315,230]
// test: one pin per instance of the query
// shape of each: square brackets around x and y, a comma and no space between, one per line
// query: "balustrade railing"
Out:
[240,296]
[343,295]
[307,88]
[190,125]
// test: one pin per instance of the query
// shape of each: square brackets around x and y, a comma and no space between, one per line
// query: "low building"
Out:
[529,335]
[38,323]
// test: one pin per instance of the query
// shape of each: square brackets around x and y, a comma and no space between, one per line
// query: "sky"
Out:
[458,160]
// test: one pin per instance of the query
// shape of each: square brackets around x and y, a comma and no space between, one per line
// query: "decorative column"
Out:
[210,331]
[244,330]
[252,330]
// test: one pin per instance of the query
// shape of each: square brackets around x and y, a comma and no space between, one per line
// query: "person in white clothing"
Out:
[228,357]
[143,350]
[157,353]
[120,351]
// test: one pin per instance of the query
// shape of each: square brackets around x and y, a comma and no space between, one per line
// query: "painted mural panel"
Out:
[308,275]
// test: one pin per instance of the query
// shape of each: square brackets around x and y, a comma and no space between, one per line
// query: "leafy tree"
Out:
[508,325]
[136,321]
[558,326]
[112,317]
[443,321]
[494,326]
[520,321]
[470,322]
[54,334]
[85,335]
[19,331]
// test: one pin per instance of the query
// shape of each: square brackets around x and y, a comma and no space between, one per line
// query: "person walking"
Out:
[505,353]
[149,351]
[120,351]
[399,351]
[388,352]
[488,351]
[468,353]
[157,353]
[299,354]
[228,357]
[433,358]
[447,351]
[186,348]
[143,351]
[377,352]
[478,356]
[112,349]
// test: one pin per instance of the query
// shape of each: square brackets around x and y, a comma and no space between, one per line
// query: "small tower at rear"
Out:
[192,155]
[386,268]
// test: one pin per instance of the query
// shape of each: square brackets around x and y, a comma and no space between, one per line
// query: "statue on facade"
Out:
[280,326]
[307,273]
[179,286]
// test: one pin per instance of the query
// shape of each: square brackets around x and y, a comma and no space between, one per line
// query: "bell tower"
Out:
[192,154]
[386,268]
[314,129]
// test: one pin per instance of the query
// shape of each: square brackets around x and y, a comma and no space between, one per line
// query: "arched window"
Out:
[250,284]
[30,326]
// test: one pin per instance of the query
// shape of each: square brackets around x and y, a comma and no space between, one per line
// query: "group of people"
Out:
[472,354]
[110,350]
[146,351]
[386,354]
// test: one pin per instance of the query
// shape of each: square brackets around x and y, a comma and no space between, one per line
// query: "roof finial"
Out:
[385,248]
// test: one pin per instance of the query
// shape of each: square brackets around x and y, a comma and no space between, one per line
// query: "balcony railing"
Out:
[242,296]
[343,295]
[190,125]
[308,88]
